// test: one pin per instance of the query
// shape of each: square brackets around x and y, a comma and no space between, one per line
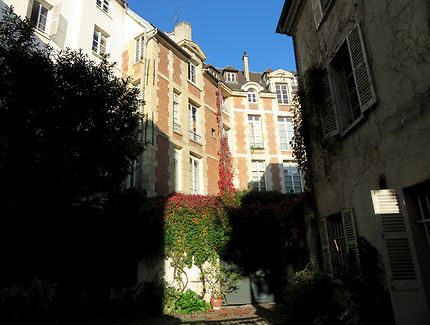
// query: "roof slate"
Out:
[240,78]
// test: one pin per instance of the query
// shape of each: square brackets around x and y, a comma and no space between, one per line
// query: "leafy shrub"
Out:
[30,303]
[187,302]
[308,297]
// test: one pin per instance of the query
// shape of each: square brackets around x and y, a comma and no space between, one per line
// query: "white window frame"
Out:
[230,77]
[176,103]
[99,37]
[138,48]
[252,95]
[286,132]
[41,21]
[255,132]
[193,122]
[291,172]
[195,175]
[282,93]
[192,72]
[320,11]
[103,5]
[258,175]
[177,183]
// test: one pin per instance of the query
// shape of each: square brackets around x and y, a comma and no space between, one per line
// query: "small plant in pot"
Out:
[221,279]
[211,276]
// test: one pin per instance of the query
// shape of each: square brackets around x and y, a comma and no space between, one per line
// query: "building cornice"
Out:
[288,20]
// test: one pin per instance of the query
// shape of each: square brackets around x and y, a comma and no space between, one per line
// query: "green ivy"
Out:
[196,230]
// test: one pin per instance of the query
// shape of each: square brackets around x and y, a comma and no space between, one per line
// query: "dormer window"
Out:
[252,96]
[230,77]
[282,93]
[191,72]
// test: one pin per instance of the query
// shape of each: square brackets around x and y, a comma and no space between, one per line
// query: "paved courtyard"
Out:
[261,314]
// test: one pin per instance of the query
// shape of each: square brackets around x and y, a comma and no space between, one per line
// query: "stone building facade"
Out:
[368,137]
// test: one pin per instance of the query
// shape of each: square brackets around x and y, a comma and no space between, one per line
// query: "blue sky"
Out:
[225,28]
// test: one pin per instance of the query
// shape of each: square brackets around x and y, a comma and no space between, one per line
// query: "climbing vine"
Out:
[225,182]
[300,151]
[196,229]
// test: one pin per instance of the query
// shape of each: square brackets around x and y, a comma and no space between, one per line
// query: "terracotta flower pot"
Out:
[216,303]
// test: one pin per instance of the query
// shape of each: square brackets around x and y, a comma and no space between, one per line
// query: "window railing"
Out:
[176,127]
[257,146]
[193,135]
[285,146]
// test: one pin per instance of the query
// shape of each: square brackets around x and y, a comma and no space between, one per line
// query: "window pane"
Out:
[282,93]
[95,41]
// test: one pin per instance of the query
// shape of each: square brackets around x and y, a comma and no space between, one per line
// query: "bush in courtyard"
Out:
[187,302]
[29,303]
[308,297]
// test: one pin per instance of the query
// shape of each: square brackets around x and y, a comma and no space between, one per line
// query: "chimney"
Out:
[183,31]
[245,66]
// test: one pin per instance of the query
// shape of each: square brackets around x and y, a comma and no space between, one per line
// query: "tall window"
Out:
[230,77]
[223,104]
[282,93]
[349,91]
[192,72]
[176,105]
[177,170]
[255,132]
[194,175]
[292,178]
[193,122]
[344,78]
[258,168]
[99,41]
[320,8]
[252,96]
[138,51]
[39,16]
[337,244]
[286,132]
[103,5]
[131,179]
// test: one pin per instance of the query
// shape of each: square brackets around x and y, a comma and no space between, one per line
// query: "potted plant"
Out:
[212,280]
[221,279]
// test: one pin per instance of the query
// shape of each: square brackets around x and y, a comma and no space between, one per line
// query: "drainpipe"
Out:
[148,36]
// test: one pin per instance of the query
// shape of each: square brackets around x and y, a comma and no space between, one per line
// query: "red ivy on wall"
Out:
[225,182]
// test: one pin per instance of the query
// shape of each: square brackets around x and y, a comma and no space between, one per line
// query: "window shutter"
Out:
[316,8]
[55,18]
[328,110]
[363,81]
[399,260]
[350,231]
[326,258]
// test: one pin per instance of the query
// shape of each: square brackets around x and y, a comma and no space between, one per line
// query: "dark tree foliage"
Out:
[68,131]
[68,126]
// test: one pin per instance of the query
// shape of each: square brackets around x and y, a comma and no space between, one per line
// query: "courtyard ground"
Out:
[258,314]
